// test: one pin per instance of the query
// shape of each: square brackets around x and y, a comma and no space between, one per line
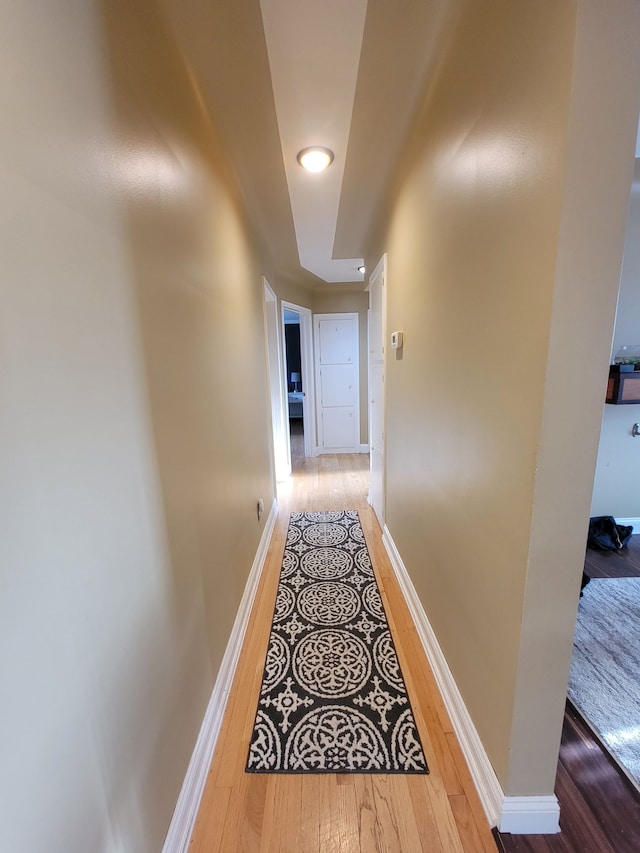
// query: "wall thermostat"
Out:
[396,340]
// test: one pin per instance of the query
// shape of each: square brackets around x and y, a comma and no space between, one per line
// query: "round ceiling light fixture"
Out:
[315,159]
[362,270]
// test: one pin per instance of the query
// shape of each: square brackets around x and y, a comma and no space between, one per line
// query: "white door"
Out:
[337,382]
[377,332]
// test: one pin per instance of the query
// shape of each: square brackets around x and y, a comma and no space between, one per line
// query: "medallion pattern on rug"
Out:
[332,699]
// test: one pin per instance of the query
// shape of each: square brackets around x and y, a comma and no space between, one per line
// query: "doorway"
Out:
[608,613]
[298,381]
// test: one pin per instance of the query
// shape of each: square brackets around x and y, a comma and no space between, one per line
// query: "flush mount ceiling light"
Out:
[315,159]
[362,270]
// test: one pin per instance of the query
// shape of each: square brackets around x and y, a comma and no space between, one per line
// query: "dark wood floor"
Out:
[296,437]
[614,564]
[599,807]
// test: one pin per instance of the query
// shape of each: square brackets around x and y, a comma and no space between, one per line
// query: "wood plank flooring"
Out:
[338,812]
[614,564]
[600,810]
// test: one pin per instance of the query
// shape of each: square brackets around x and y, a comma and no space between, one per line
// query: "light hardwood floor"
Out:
[346,812]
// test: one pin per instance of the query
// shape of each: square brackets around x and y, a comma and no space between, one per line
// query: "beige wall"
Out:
[480,453]
[288,292]
[615,489]
[131,308]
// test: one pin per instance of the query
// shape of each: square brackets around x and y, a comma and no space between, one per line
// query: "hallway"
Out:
[146,205]
[348,813]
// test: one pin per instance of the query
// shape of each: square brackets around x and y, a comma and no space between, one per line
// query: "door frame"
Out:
[308,381]
[380,270]
[274,346]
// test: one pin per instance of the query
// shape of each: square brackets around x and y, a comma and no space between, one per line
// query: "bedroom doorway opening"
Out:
[298,363]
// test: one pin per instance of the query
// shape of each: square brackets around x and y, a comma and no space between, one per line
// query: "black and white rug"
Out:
[333,699]
[604,683]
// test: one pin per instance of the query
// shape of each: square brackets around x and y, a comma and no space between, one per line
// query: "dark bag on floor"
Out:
[585,580]
[606,535]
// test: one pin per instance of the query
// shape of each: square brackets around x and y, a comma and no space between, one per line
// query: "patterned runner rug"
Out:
[333,699]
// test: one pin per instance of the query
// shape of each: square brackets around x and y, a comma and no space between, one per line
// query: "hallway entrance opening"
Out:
[298,380]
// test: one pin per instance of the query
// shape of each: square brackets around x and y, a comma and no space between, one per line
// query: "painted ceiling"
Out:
[277,76]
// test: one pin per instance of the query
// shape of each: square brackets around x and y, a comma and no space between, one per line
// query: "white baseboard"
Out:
[634,522]
[520,814]
[523,815]
[359,448]
[186,810]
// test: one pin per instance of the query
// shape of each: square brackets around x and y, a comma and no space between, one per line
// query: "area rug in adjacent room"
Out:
[333,698]
[604,684]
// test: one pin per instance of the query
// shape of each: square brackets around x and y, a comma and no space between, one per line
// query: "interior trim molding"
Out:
[358,448]
[522,815]
[634,522]
[186,810]
[519,814]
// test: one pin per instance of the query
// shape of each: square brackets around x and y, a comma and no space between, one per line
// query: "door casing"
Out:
[376,356]
[275,368]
